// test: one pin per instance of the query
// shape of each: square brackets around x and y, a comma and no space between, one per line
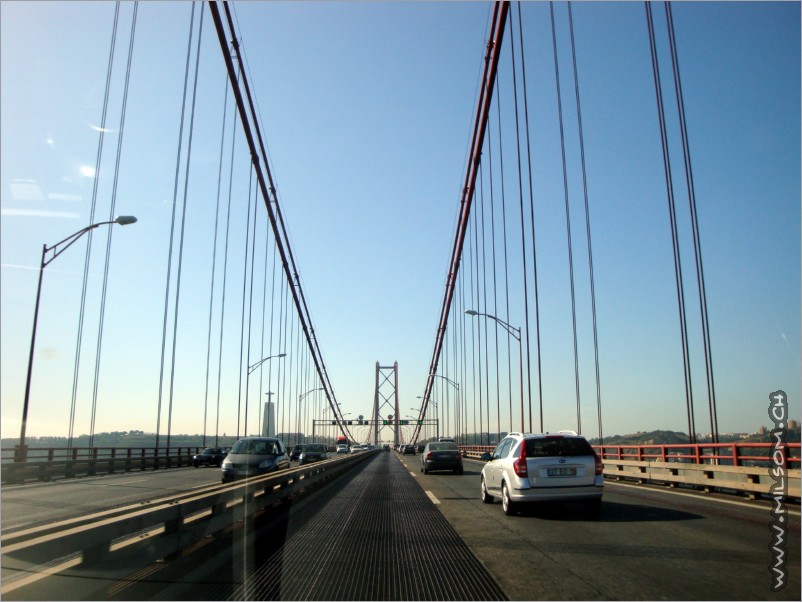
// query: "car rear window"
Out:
[316,448]
[443,446]
[558,446]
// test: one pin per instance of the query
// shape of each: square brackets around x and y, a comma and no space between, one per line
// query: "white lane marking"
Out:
[412,473]
[122,484]
[699,497]
[432,497]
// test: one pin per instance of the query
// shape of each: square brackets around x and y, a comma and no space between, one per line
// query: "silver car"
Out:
[543,467]
[252,456]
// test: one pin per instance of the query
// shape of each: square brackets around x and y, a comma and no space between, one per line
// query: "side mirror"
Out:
[485,457]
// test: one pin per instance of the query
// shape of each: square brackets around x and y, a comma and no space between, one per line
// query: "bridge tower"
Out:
[385,404]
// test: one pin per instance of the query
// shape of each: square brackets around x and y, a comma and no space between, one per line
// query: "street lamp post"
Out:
[248,389]
[57,249]
[515,332]
[300,398]
[456,386]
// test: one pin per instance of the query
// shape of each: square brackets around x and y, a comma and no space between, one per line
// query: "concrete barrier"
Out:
[752,480]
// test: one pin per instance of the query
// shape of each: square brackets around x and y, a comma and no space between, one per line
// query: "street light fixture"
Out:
[57,249]
[516,333]
[263,360]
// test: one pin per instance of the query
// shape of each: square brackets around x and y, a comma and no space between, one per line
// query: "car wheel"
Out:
[425,471]
[196,464]
[506,502]
[461,470]
[486,497]
[219,462]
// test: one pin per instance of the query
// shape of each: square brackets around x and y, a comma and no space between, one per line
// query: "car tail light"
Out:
[519,466]
[599,465]
[428,455]
[459,455]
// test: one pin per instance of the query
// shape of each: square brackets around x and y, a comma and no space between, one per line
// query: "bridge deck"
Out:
[372,535]
[379,538]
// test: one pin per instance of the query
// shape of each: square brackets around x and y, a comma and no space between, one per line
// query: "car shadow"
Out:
[611,512]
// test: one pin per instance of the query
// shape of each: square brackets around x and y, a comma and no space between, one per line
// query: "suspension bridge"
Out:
[529,256]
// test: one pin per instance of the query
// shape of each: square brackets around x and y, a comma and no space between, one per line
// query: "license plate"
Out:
[561,472]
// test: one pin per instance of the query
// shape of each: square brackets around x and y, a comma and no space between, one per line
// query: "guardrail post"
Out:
[72,458]
[91,468]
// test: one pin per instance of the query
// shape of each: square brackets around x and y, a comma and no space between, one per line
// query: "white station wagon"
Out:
[543,467]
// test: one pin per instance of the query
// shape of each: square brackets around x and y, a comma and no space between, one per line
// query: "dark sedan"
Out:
[408,450]
[313,452]
[211,456]
[441,456]
[296,451]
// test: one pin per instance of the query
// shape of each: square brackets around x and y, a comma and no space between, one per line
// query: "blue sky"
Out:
[367,110]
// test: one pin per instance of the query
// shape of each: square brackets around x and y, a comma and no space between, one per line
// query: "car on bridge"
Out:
[342,448]
[441,456]
[543,467]
[210,456]
[253,456]
[313,452]
[296,451]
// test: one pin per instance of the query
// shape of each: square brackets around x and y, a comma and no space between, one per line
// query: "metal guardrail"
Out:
[45,464]
[160,528]
[726,454]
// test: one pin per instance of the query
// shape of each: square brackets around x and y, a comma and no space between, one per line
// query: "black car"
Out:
[421,447]
[313,452]
[211,456]
[441,456]
[296,451]
[408,450]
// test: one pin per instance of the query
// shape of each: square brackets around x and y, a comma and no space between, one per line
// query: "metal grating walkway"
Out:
[379,538]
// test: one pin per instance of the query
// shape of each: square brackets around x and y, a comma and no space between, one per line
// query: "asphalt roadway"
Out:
[649,542]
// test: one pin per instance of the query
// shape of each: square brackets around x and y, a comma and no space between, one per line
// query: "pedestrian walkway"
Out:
[379,538]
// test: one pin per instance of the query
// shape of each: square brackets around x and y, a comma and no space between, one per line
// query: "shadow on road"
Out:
[611,512]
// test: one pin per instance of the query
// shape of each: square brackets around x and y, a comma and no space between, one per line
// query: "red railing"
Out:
[733,454]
